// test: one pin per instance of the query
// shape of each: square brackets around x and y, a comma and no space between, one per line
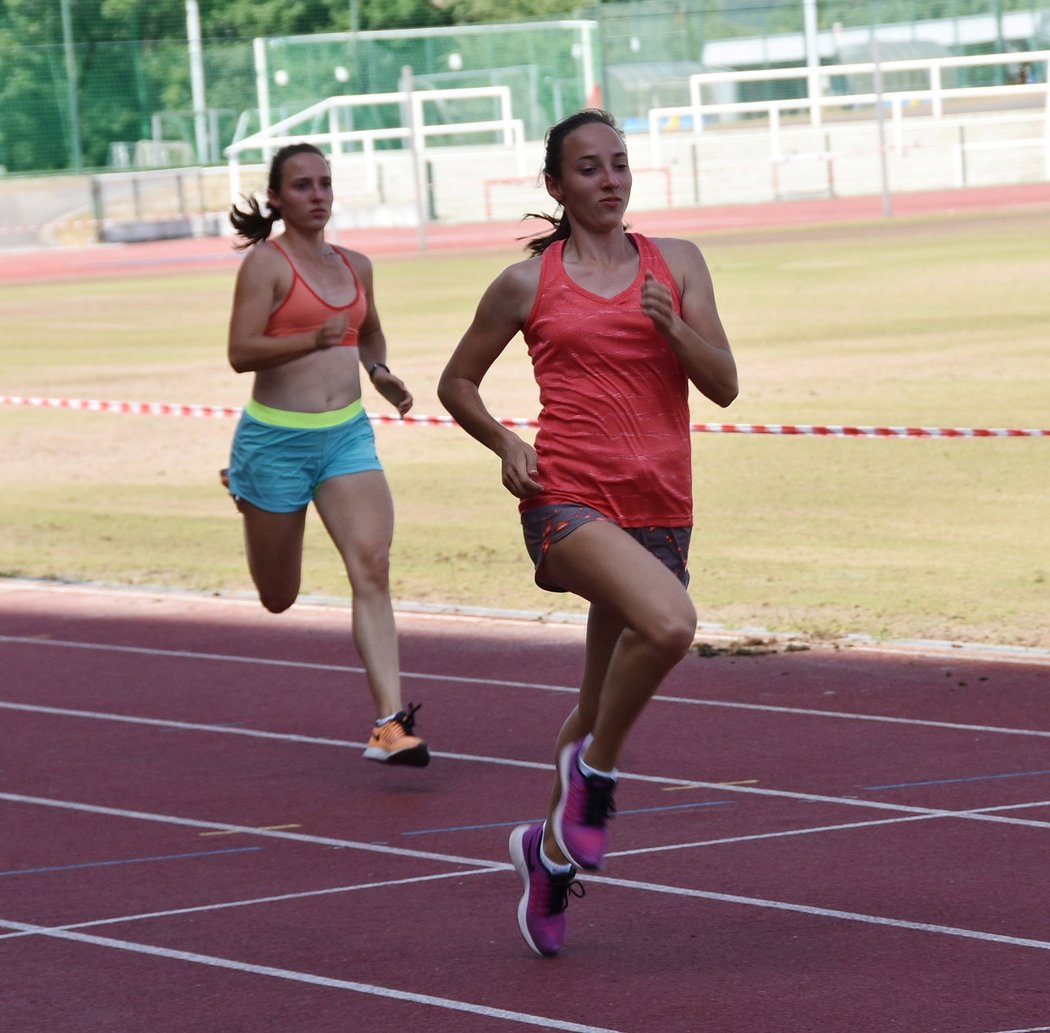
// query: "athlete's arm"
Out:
[371,341]
[500,315]
[697,337]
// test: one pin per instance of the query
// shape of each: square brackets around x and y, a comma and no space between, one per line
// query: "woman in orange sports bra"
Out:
[303,323]
[617,326]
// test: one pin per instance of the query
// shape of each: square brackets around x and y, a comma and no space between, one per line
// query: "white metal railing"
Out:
[417,132]
[818,98]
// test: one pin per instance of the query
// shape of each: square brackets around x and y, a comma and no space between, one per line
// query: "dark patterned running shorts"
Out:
[544,525]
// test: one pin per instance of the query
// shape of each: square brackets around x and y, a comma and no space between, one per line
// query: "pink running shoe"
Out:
[541,910]
[585,807]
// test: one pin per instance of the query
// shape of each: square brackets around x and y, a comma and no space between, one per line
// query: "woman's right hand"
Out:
[520,468]
[331,333]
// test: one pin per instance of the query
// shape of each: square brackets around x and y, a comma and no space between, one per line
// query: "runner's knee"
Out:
[672,636]
[277,602]
[370,571]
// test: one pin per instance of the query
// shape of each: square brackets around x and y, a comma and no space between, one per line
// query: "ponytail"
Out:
[562,231]
[253,225]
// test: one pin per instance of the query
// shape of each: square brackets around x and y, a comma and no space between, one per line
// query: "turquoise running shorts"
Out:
[279,458]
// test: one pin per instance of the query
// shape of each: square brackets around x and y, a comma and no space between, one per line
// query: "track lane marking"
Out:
[904,813]
[115,862]
[824,912]
[977,814]
[279,898]
[459,679]
[370,989]
[251,830]
[262,828]
[485,866]
[779,834]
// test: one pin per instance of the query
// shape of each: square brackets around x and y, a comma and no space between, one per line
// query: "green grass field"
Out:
[932,322]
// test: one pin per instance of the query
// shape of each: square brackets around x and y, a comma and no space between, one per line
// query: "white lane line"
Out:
[903,814]
[505,683]
[250,830]
[486,865]
[254,901]
[976,814]
[68,932]
[824,912]
[779,834]
[252,733]
[406,996]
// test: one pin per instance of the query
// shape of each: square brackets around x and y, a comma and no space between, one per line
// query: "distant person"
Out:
[617,326]
[303,322]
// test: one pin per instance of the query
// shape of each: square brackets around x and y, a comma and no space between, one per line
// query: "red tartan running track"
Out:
[109,260]
[838,840]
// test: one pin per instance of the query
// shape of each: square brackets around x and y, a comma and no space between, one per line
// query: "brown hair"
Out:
[253,224]
[552,160]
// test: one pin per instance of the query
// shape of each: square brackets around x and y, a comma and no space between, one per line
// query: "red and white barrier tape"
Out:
[227,412]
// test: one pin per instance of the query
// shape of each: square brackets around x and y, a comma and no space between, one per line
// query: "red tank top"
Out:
[614,419]
[303,309]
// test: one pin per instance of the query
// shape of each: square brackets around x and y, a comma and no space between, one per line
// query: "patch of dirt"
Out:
[750,646]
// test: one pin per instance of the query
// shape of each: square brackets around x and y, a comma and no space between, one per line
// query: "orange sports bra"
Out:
[303,309]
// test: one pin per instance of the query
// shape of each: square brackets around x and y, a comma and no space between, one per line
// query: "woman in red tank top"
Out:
[617,327]
[303,323]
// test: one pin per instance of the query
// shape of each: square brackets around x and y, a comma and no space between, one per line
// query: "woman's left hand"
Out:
[657,303]
[393,390]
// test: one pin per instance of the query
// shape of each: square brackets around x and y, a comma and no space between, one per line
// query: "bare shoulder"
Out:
[359,261]
[521,276]
[263,264]
[678,251]
[514,289]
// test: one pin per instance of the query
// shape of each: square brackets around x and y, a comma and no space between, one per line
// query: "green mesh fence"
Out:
[129,103]
[548,68]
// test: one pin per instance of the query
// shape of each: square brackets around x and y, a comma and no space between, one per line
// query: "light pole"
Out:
[809,22]
[200,107]
[355,54]
[76,147]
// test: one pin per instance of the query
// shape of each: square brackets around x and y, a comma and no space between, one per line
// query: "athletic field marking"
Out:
[262,828]
[298,837]
[254,733]
[370,989]
[916,814]
[699,785]
[625,883]
[474,758]
[954,781]
[484,867]
[848,801]
[779,834]
[620,811]
[459,679]
[130,860]
[280,898]
[823,912]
